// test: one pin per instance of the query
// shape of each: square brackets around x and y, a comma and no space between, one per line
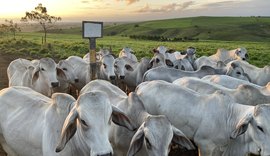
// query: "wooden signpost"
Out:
[92,30]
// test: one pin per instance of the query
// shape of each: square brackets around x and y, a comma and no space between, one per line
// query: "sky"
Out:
[134,10]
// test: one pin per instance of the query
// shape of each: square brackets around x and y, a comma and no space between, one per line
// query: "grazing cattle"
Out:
[40,76]
[214,121]
[259,76]
[206,61]
[170,74]
[154,133]
[227,56]
[71,77]
[32,124]
[82,70]
[244,94]
[128,52]
[99,54]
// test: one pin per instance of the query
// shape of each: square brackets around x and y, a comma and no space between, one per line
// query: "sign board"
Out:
[92,29]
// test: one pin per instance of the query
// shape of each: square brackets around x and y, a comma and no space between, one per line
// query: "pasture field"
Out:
[60,46]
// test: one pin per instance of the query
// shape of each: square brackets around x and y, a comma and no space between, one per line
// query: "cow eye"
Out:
[148,144]
[115,66]
[42,69]
[238,73]
[104,65]
[260,128]
[157,60]
[65,69]
[84,123]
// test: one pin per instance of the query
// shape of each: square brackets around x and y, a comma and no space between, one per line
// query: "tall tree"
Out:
[41,16]
[13,27]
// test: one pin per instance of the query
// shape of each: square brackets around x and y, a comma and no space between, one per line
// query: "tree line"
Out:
[163,38]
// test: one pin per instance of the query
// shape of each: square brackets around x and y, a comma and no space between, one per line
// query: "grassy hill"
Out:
[203,28]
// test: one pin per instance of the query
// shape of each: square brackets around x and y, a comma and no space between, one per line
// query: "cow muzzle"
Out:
[55,84]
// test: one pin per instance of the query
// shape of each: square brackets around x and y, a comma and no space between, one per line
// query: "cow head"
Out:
[234,70]
[256,126]
[241,54]
[107,67]
[156,134]
[89,122]
[47,72]
[68,70]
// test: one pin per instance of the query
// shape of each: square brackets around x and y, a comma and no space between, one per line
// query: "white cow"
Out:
[106,68]
[259,76]
[159,60]
[228,81]
[82,70]
[42,77]
[167,55]
[71,77]
[227,56]
[32,124]
[206,61]
[171,74]
[232,83]
[154,133]
[244,94]
[183,64]
[214,122]
[128,52]
[133,71]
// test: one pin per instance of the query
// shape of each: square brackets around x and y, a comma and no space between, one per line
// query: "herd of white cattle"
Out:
[220,102]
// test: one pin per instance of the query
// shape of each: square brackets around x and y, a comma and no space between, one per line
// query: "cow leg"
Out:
[6,148]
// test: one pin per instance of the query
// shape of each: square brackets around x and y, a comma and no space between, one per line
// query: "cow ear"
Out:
[180,138]
[119,118]
[155,51]
[128,67]
[61,73]
[237,52]
[150,65]
[242,126]
[136,142]
[169,63]
[35,74]
[68,130]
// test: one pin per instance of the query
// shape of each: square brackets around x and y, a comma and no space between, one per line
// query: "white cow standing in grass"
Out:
[41,76]
[32,124]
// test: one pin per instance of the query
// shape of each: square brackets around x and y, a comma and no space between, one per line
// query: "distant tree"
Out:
[41,16]
[13,27]
[3,29]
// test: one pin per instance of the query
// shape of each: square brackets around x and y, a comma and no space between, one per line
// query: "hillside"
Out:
[203,28]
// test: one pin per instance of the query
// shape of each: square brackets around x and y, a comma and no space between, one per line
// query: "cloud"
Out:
[166,8]
[129,1]
[84,2]
[221,4]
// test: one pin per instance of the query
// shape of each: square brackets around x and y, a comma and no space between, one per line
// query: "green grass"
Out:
[204,28]
[61,46]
